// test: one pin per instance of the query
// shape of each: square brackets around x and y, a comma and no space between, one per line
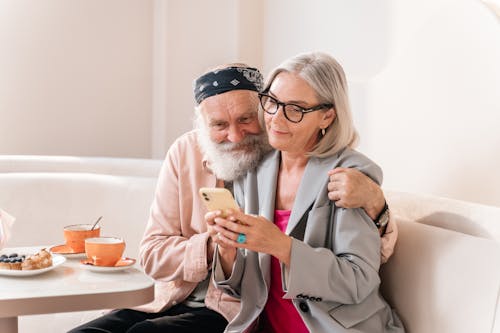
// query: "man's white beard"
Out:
[229,160]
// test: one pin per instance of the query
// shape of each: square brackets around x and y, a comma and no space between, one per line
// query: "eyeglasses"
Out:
[292,112]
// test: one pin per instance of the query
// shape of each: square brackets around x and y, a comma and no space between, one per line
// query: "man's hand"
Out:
[212,236]
[350,188]
[227,253]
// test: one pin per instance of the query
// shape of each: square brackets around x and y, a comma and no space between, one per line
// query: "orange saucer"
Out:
[123,262]
[63,249]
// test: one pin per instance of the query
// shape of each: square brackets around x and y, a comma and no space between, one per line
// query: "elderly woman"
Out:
[298,262]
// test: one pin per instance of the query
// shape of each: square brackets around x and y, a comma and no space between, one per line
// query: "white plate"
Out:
[57,260]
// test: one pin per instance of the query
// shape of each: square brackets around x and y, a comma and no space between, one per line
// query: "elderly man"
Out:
[177,249]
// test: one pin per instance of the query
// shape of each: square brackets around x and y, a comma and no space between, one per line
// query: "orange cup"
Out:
[76,234]
[104,251]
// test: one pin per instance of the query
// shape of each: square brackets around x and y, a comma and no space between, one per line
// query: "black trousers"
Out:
[178,319]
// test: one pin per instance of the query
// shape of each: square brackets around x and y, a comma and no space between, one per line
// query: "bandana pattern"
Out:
[227,79]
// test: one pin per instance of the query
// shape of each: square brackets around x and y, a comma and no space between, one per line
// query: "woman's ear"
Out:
[328,117]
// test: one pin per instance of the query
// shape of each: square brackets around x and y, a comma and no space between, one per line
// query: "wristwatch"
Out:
[382,219]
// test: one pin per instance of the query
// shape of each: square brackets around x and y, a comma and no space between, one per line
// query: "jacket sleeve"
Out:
[231,285]
[345,269]
[168,251]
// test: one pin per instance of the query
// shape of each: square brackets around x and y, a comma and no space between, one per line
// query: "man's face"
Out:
[231,116]
[230,134]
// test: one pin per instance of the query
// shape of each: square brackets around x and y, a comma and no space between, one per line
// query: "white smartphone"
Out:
[216,198]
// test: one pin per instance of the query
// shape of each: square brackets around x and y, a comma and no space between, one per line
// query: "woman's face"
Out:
[295,137]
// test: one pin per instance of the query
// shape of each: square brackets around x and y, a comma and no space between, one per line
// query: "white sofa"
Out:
[444,276]
[445,273]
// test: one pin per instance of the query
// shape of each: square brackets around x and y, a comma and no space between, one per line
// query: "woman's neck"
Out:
[292,161]
[292,168]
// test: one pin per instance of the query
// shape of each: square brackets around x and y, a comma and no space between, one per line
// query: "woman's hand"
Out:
[260,235]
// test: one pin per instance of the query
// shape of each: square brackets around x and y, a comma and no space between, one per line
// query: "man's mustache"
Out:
[249,141]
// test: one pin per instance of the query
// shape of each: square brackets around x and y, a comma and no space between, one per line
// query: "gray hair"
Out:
[326,76]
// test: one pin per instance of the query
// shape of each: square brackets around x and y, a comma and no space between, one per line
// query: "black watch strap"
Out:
[382,219]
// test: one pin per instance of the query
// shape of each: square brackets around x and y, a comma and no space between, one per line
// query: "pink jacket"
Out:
[173,250]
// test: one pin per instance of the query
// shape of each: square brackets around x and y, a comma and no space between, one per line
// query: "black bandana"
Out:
[227,79]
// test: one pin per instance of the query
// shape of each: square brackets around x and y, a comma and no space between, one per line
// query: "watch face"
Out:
[383,222]
[384,219]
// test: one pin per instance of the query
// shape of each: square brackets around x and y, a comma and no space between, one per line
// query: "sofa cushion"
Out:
[43,203]
[442,281]
[465,217]
[135,167]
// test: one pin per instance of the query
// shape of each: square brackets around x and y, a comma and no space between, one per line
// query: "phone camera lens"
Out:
[207,199]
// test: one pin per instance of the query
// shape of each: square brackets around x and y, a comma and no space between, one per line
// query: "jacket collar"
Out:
[313,181]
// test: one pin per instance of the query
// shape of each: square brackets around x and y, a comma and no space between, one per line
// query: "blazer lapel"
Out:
[267,178]
[314,178]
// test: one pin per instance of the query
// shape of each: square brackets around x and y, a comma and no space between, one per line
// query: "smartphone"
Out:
[216,198]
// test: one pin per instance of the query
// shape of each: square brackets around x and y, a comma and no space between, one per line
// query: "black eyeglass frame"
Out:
[300,108]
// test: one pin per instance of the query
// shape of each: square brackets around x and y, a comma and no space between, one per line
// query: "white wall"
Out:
[424,80]
[75,77]
[114,78]
[355,32]
[199,35]
[434,111]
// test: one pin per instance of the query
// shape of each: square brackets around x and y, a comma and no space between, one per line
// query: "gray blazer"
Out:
[333,278]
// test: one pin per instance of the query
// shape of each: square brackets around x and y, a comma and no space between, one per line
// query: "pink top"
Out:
[280,314]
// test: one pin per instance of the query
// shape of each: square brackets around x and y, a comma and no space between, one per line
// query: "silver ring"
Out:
[242,238]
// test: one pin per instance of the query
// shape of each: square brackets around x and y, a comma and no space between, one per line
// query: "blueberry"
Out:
[13,255]
[3,256]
